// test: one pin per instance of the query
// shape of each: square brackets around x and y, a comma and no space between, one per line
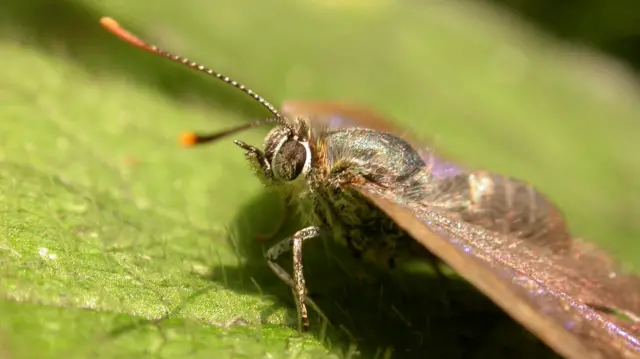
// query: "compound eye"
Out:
[289,160]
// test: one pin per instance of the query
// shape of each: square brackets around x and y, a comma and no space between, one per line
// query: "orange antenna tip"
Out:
[109,23]
[188,139]
[114,27]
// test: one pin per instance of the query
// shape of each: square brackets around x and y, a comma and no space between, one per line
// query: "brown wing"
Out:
[571,302]
[339,114]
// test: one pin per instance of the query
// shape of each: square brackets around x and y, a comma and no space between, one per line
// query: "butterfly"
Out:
[387,197]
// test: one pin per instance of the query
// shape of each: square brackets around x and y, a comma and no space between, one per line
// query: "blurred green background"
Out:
[115,242]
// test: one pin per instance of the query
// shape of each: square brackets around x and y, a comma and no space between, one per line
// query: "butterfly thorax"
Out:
[344,159]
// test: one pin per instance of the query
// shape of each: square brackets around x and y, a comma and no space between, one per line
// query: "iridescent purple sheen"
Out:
[439,168]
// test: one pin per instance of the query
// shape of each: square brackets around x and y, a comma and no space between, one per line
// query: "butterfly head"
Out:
[287,151]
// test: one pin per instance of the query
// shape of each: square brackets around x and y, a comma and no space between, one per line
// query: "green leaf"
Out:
[115,242]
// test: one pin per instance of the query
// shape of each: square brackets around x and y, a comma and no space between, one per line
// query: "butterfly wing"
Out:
[338,115]
[559,299]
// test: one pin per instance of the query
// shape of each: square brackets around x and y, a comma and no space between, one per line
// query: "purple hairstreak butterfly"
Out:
[387,198]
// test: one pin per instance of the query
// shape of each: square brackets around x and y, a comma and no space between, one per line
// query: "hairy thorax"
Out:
[329,200]
[354,222]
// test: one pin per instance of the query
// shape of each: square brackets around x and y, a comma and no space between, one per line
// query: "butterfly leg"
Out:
[297,283]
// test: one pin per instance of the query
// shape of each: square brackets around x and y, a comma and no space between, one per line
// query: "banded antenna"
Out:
[191,138]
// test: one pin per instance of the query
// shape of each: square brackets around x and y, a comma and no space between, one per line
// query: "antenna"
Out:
[190,138]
